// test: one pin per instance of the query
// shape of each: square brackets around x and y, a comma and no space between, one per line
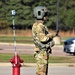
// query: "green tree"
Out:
[24,13]
[66,15]
[70,20]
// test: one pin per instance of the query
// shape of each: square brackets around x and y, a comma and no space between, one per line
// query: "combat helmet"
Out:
[39,12]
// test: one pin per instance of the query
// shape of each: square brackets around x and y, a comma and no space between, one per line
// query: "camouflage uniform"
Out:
[41,36]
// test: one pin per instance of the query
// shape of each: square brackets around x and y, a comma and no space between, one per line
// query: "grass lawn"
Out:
[23,39]
[30,58]
[19,39]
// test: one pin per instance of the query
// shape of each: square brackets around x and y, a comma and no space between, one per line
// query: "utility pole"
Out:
[57,18]
[57,39]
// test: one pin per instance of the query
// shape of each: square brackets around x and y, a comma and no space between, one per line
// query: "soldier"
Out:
[43,40]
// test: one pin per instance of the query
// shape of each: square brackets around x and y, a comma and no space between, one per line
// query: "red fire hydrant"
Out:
[16,64]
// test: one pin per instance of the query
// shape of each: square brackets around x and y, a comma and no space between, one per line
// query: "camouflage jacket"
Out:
[40,34]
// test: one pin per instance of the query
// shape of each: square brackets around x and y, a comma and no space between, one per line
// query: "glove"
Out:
[47,45]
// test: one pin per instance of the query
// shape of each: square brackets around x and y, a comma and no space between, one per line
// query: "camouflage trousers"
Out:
[42,62]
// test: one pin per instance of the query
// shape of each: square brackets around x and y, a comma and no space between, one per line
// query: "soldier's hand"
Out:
[47,45]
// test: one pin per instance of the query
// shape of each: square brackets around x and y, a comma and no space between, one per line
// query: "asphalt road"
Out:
[29,49]
[53,70]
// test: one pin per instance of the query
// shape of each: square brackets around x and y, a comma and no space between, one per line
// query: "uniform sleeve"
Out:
[41,33]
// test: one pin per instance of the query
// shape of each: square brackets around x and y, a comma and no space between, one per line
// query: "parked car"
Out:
[69,46]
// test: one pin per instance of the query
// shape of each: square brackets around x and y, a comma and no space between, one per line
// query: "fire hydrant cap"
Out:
[16,60]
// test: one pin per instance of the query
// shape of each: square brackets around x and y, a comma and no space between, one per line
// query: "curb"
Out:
[34,64]
[16,44]
[26,44]
[5,64]
[51,64]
